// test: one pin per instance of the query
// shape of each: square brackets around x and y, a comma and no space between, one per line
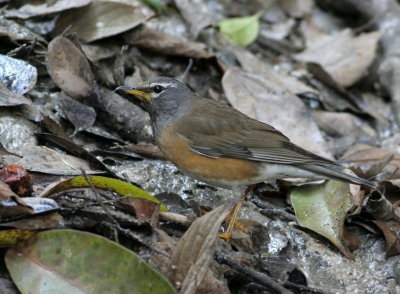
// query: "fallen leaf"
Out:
[342,129]
[367,162]
[379,207]
[69,68]
[344,57]
[40,205]
[341,124]
[3,151]
[241,30]
[120,187]
[298,8]
[25,206]
[322,208]
[252,64]
[80,115]
[142,208]
[38,222]
[391,231]
[196,14]
[103,19]
[147,38]
[194,251]
[44,160]
[64,259]
[14,211]
[17,32]
[8,98]
[71,147]
[6,192]
[268,102]
[44,8]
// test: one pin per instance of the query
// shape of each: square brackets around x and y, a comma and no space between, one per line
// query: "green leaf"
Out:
[104,183]
[322,208]
[155,4]
[241,30]
[10,238]
[68,261]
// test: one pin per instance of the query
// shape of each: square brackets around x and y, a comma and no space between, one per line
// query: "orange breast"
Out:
[217,171]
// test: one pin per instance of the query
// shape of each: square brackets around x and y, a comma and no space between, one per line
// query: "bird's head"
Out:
[158,96]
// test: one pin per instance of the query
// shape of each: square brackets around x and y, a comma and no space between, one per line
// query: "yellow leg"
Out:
[234,213]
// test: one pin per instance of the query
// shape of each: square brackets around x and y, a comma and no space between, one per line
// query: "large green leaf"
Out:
[120,187]
[241,30]
[68,261]
[322,208]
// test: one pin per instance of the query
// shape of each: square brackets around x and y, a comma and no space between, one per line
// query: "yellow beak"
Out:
[137,93]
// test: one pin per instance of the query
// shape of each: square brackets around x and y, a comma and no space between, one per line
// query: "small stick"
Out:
[259,278]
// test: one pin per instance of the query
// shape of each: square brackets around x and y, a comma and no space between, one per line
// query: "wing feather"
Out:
[238,136]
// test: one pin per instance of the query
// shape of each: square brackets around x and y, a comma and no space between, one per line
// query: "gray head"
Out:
[161,97]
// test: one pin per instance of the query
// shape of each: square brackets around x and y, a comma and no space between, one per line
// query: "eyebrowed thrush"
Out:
[219,145]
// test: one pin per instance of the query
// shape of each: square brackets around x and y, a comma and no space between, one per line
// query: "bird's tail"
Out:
[334,172]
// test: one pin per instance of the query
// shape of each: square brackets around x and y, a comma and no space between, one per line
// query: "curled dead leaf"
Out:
[69,68]
[192,256]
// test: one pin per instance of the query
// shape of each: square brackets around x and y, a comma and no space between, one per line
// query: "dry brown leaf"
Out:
[344,57]
[391,231]
[6,192]
[341,124]
[80,115]
[9,211]
[379,207]
[197,15]
[39,222]
[268,102]
[69,68]
[148,38]
[103,19]
[45,160]
[367,162]
[192,256]
[142,208]
[253,64]
[15,31]
[42,8]
[297,8]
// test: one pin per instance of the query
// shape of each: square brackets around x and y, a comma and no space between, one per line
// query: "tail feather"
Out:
[333,172]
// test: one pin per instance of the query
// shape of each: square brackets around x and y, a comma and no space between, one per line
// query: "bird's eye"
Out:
[158,89]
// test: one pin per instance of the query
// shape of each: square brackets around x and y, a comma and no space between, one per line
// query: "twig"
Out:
[104,207]
[175,218]
[131,235]
[257,277]
[302,288]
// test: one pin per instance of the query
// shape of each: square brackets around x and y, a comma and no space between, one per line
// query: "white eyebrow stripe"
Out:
[166,84]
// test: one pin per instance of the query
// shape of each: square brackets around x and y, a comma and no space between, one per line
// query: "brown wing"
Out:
[217,130]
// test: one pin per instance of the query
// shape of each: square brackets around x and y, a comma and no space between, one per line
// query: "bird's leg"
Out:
[234,213]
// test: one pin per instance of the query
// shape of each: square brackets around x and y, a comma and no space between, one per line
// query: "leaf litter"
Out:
[263,80]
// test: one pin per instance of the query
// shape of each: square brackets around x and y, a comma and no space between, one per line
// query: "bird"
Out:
[218,145]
